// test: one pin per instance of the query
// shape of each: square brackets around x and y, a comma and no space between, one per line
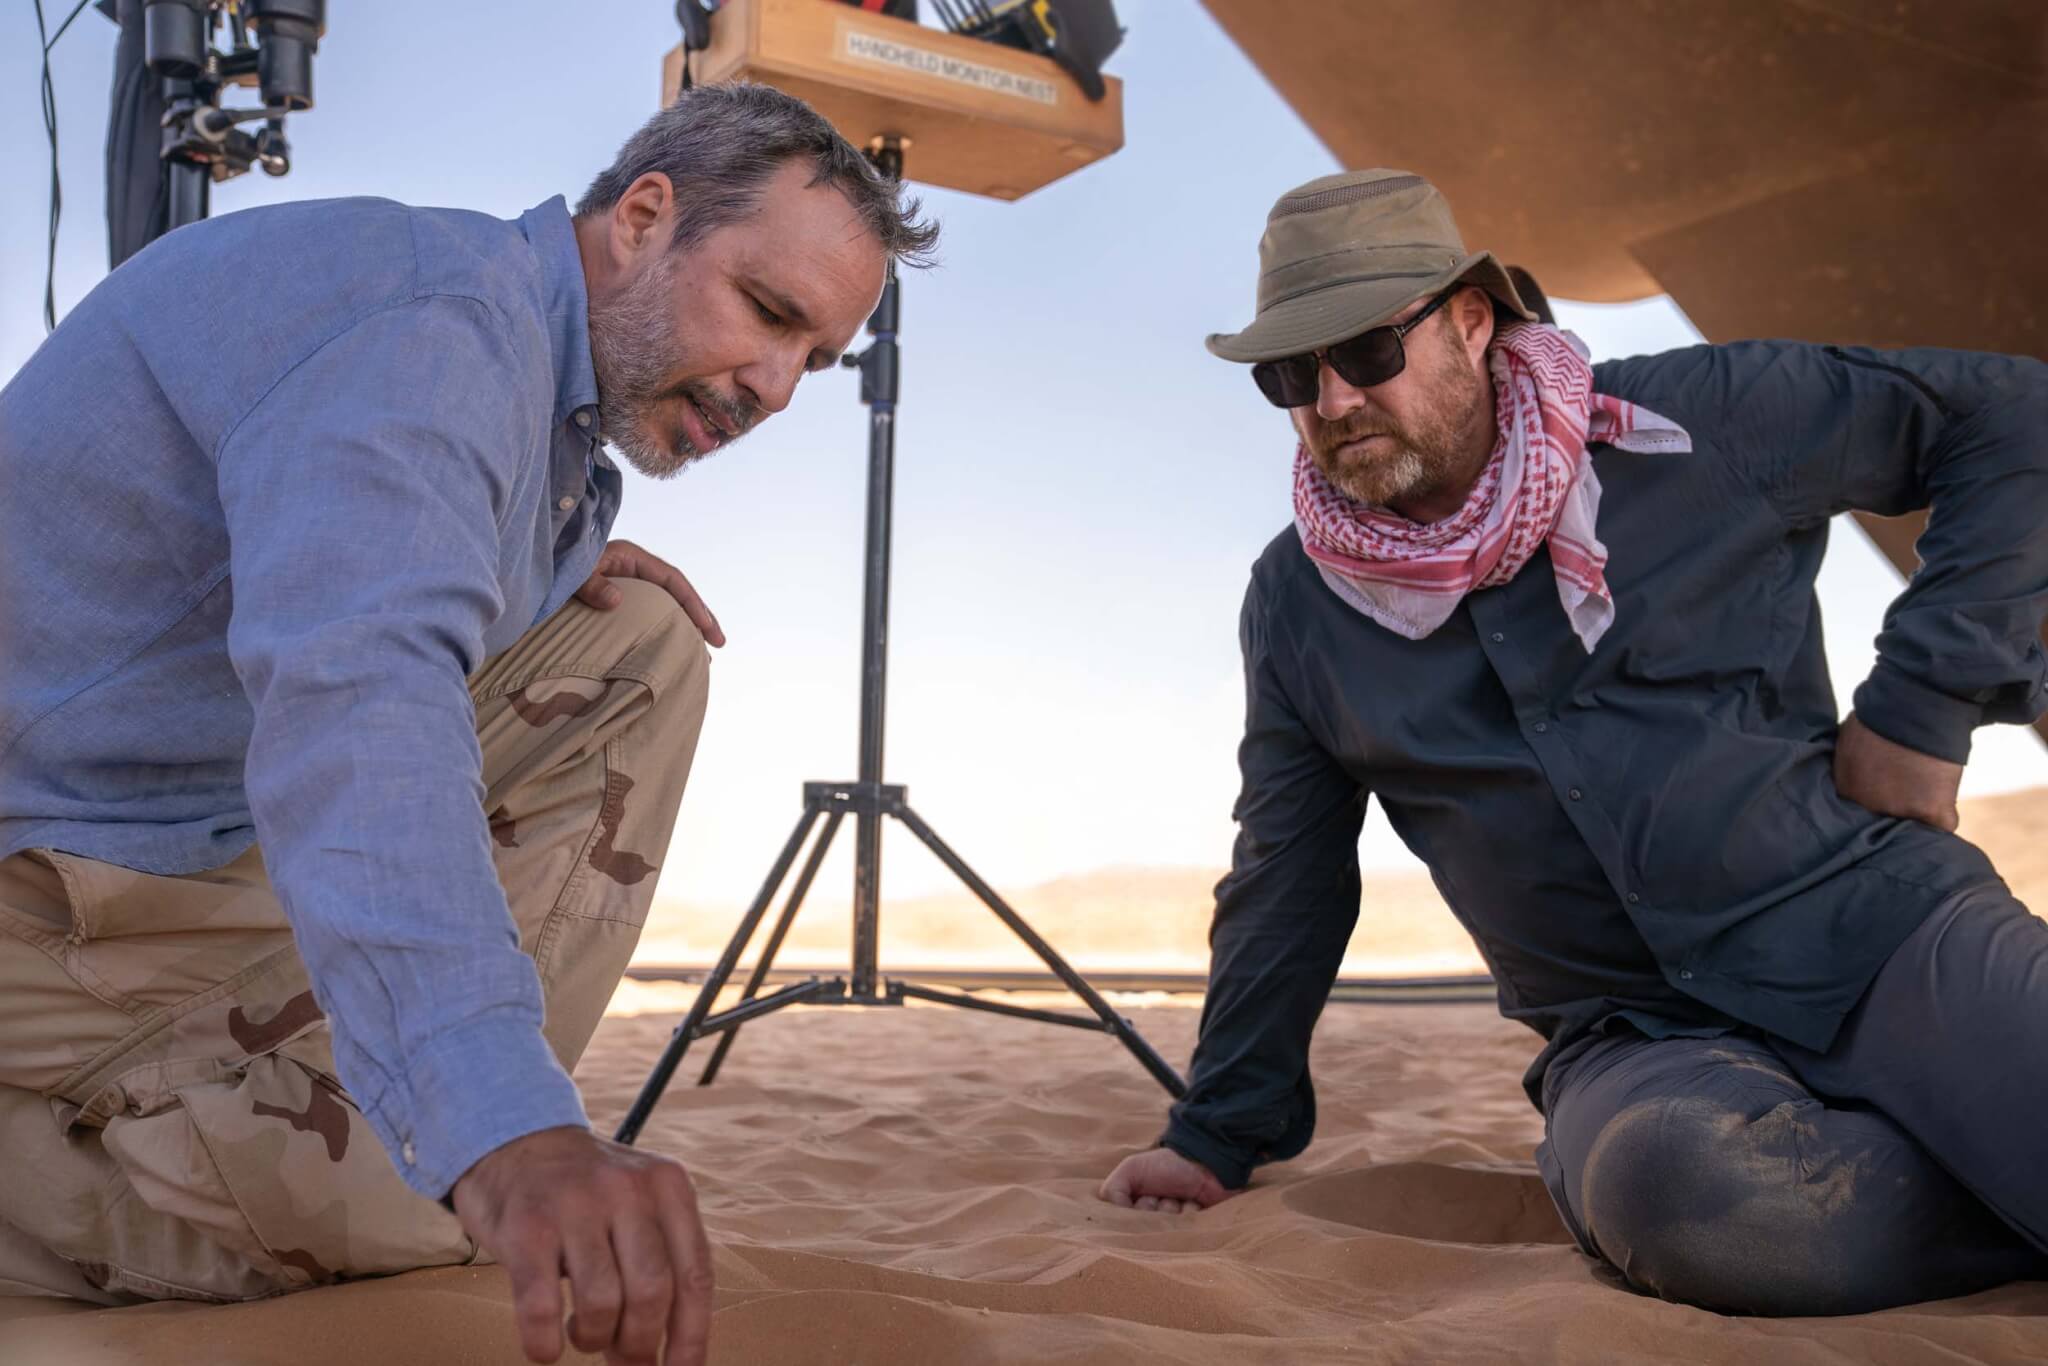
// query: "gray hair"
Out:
[719,144]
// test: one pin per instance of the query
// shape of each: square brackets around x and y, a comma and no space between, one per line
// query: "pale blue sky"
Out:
[1080,486]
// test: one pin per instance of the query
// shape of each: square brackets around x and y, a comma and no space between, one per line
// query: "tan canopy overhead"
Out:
[1862,171]
[1847,170]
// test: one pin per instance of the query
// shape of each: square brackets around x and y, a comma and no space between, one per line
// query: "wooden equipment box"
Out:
[986,119]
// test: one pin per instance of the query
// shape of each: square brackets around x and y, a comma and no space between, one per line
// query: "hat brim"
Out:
[1323,317]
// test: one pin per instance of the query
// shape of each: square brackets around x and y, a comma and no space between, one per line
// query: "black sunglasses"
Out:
[1367,359]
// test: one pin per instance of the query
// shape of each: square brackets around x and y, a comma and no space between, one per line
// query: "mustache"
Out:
[1330,435]
[735,414]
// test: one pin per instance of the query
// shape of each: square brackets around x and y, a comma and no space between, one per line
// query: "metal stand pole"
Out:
[868,799]
[878,389]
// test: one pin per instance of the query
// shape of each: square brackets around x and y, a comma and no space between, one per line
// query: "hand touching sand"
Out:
[1161,1179]
[621,1224]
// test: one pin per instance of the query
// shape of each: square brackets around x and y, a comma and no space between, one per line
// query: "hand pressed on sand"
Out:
[1161,1179]
[619,1223]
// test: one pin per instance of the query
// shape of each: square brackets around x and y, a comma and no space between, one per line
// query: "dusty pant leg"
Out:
[1706,1172]
[1951,1041]
[588,726]
[165,1072]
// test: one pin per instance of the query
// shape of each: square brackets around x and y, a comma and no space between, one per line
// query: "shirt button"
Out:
[406,1152]
[1633,898]
[1575,794]
[583,417]
[1542,726]
[1685,975]
[1498,637]
[565,502]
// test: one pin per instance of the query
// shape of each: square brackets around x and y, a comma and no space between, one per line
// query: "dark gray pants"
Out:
[1908,1162]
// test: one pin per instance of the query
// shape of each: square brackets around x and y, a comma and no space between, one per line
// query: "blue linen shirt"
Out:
[267,497]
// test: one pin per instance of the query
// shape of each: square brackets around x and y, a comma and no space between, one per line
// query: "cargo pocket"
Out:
[276,1165]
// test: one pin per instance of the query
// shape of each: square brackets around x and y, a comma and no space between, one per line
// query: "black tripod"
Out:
[867,800]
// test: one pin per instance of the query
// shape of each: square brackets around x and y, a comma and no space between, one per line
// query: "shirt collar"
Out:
[552,236]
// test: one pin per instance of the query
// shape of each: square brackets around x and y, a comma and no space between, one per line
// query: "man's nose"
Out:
[772,382]
[1335,396]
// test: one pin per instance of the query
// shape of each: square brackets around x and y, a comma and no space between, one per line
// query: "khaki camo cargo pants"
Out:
[170,1121]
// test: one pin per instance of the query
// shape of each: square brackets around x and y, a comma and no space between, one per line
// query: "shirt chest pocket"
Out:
[1702,616]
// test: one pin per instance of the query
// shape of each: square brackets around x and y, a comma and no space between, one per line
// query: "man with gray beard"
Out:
[1559,619]
[339,749]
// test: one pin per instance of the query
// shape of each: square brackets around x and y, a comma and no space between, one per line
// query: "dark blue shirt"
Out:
[271,492]
[1651,831]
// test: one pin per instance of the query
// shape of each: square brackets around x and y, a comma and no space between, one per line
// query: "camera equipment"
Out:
[1078,34]
[170,138]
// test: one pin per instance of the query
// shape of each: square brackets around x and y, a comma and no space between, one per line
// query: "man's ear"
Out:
[641,219]
[1471,310]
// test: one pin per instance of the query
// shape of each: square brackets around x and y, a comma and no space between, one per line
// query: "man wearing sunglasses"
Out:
[1560,619]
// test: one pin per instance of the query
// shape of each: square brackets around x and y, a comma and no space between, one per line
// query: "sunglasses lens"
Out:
[1365,360]
[1289,383]
[1370,358]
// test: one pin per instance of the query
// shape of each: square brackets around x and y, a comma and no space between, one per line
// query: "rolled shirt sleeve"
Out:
[1283,916]
[364,498]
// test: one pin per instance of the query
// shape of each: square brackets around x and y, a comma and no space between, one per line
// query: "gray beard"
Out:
[633,349]
[1401,476]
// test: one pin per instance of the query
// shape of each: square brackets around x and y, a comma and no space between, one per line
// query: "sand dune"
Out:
[1151,918]
[1158,918]
[916,1186]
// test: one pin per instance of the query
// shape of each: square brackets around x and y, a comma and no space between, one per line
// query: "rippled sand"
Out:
[916,1186]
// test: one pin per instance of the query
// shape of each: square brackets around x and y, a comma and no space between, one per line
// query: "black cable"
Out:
[49,41]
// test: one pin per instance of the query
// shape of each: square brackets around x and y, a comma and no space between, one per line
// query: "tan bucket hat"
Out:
[1347,252]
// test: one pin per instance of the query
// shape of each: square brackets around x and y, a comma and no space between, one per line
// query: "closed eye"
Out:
[768,315]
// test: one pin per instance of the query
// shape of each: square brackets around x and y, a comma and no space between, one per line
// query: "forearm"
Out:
[368,807]
[1961,646]
[1963,435]
[1250,1099]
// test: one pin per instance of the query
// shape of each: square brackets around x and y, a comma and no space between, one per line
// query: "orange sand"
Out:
[916,1186]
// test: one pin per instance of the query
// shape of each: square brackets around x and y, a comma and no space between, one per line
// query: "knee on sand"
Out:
[1799,1210]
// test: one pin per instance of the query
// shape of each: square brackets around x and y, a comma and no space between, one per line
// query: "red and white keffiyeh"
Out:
[1539,487]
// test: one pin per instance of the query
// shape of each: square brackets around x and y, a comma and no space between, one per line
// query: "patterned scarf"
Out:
[1539,487]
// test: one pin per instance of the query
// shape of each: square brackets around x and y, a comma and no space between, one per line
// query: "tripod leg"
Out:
[679,1042]
[775,938]
[1146,1055]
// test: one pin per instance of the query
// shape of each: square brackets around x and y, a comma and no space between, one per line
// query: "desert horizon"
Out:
[1156,919]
